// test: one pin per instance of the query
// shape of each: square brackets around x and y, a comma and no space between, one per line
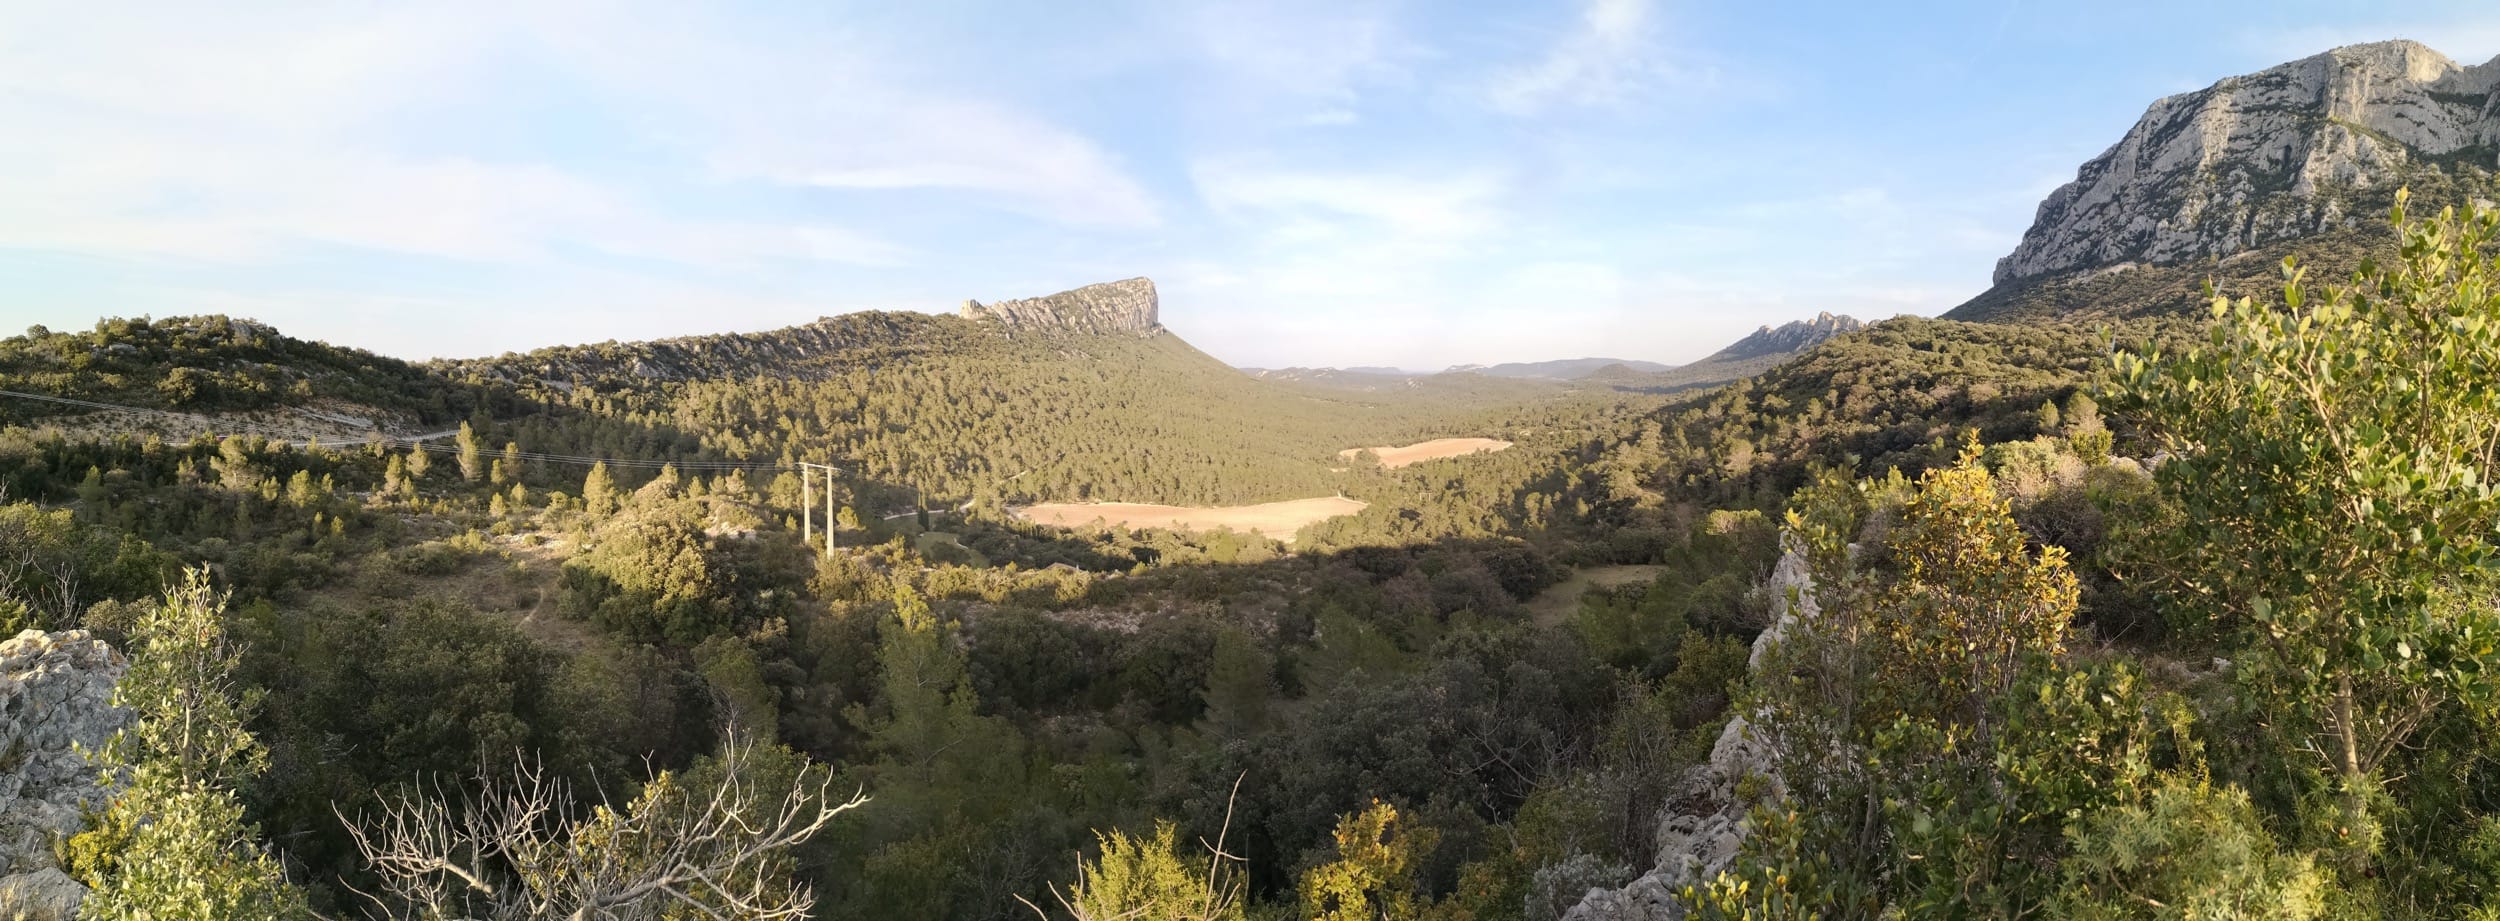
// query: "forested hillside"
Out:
[1939,569]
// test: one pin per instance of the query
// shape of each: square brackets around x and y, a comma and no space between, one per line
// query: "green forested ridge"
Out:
[918,407]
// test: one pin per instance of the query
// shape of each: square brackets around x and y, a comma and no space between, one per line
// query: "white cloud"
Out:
[1313,205]
[1309,61]
[839,109]
[1612,53]
[955,144]
[240,135]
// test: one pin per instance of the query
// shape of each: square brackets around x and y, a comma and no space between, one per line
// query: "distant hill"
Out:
[1746,357]
[1765,349]
[1562,369]
[2301,159]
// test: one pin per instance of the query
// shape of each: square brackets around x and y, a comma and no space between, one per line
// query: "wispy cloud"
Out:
[1402,203]
[1611,53]
[238,136]
[1308,62]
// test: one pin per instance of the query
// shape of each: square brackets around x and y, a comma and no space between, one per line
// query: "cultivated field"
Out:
[1278,520]
[1421,451]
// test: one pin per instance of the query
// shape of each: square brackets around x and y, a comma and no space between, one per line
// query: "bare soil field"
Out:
[1276,520]
[1556,605]
[1421,451]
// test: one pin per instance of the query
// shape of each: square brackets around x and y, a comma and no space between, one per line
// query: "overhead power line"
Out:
[417,442]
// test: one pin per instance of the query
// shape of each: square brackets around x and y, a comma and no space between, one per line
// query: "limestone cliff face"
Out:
[56,697]
[2294,150]
[1112,308]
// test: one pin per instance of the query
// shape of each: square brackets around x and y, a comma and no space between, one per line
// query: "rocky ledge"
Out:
[1112,308]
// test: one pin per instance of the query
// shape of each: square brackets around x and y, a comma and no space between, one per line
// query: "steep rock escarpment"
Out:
[1705,823]
[56,693]
[2295,150]
[1111,308]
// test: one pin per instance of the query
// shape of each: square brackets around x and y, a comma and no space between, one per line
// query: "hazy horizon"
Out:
[1365,184]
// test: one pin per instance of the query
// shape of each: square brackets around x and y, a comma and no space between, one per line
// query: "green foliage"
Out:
[1149,878]
[653,574]
[1371,878]
[1928,705]
[53,567]
[175,843]
[2193,851]
[2335,470]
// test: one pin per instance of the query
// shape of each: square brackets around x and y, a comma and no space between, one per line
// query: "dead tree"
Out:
[508,853]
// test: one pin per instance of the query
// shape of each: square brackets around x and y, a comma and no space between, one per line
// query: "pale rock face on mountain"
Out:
[56,698]
[1790,337]
[2271,156]
[1112,308]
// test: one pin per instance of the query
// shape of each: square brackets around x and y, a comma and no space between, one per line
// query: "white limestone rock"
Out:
[1127,307]
[2262,158]
[44,895]
[56,692]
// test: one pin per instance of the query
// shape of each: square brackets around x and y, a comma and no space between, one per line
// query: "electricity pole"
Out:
[807,504]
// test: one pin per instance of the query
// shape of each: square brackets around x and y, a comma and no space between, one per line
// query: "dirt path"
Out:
[1276,520]
[1436,449]
[1556,605]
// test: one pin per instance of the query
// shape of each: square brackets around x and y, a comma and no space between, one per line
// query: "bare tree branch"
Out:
[510,853]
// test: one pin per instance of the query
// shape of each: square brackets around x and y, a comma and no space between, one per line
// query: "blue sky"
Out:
[1346,182]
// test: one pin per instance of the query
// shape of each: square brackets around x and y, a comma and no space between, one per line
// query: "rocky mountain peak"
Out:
[2294,150]
[1788,337]
[1119,307]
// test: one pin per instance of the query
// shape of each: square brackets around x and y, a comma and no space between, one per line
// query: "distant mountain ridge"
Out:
[1754,354]
[1561,369]
[2299,159]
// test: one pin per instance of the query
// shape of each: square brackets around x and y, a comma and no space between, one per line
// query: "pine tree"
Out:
[395,477]
[598,490]
[472,461]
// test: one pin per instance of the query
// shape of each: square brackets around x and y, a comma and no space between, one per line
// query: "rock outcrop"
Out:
[56,692]
[2306,147]
[1112,308]
[1786,338]
[1704,826]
